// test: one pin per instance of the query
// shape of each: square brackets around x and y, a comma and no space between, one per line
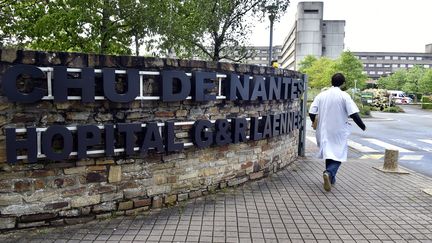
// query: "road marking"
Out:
[387,145]
[372,156]
[312,139]
[360,147]
[425,140]
[412,157]
[409,143]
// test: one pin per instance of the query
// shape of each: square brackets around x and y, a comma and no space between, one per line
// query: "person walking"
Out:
[332,108]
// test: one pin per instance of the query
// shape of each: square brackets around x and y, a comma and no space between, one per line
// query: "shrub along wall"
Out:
[127,171]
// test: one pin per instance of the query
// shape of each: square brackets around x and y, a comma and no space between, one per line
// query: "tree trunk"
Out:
[104,27]
[136,45]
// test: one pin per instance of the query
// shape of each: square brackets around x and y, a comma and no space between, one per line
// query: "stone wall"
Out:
[74,191]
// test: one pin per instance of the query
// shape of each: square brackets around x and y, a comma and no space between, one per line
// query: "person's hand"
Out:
[364,128]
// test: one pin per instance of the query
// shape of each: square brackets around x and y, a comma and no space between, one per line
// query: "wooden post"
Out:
[391,159]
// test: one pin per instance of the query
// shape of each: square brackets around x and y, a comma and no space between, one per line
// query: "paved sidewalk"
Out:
[290,206]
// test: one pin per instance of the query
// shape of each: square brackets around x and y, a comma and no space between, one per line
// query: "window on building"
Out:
[387,72]
[264,51]
[387,65]
[311,11]
[410,58]
[403,58]
[410,65]
[379,65]
[371,72]
[256,58]
[380,72]
[364,65]
[419,58]
[394,65]
[364,72]
[426,66]
[402,65]
[387,57]
[379,58]
[371,65]
[263,58]
[363,58]
[395,57]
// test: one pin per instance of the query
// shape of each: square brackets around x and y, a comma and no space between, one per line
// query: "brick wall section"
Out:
[57,193]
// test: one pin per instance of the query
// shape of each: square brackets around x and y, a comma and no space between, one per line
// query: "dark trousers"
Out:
[332,167]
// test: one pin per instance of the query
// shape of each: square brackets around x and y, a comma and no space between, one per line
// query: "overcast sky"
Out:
[371,25]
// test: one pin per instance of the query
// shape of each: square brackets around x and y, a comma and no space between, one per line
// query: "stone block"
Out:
[82,201]
[156,190]
[85,210]
[256,175]
[104,207]
[159,179]
[142,202]
[95,177]
[75,170]
[22,186]
[79,220]
[39,184]
[112,196]
[37,217]
[237,181]
[7,222]
[10,199]
[56,205]
[57,222]
[19,210]
[182,197]
[170,200]
[157,202]
[115,174]
[125,205]
[195,194]
[134,192]
[69,213]
[31,225]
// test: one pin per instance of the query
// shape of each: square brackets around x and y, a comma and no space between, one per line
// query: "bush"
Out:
[365,111]
[393,109]
[426,102]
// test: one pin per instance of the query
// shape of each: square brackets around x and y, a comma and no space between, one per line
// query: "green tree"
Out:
[425,82]
[306,63]
[413,77]
[320,72]
[352,69]
[214,30]
[100,26]
[394,81]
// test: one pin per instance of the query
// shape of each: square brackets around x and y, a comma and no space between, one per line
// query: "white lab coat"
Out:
[333,107]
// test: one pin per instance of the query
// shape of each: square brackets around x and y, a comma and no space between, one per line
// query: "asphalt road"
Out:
[409,132]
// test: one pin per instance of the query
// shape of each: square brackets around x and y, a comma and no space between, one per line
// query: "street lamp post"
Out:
[272,15]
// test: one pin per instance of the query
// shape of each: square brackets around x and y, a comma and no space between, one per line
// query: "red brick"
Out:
[41,173]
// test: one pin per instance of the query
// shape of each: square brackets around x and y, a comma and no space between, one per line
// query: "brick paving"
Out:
[289,206]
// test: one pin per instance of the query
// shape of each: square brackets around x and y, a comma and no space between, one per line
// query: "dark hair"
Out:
[338,79]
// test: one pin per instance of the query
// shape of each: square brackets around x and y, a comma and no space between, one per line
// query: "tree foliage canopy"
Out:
[321,70]
[414,80]
[217,29]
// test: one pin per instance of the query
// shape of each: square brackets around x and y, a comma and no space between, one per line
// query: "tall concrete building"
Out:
[311,35]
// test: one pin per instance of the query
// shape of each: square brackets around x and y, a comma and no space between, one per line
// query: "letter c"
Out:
[10,88]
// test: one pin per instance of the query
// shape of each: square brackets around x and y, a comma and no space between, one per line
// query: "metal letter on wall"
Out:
[10,87]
